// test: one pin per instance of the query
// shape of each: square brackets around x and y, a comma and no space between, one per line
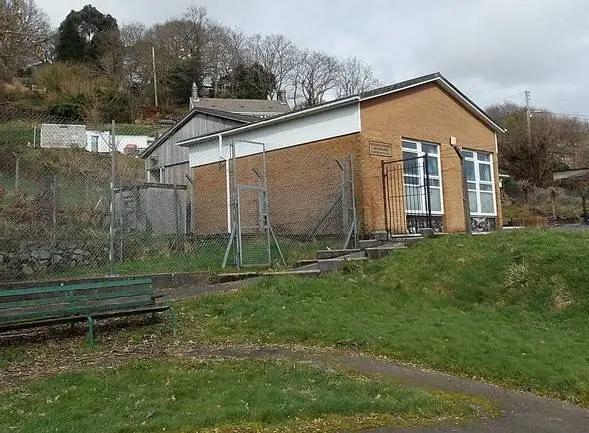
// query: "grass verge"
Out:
[507,307]
[207,395]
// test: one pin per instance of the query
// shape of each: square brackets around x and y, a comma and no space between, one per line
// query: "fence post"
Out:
[17,173]
[111,233]
[428,200]
[54,214]
[384,196]
[465,198]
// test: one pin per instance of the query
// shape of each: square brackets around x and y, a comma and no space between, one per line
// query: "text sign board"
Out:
[381,149]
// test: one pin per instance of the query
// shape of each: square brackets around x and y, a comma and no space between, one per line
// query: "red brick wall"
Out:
[303,182]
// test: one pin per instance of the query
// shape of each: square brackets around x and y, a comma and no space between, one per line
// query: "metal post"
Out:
[17,173]
[465,198]
[111,234]
[54,214]
[428,199]
[235,205]
[384,196]
[266,210]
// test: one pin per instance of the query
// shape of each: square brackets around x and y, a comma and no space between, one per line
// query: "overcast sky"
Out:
[491,49]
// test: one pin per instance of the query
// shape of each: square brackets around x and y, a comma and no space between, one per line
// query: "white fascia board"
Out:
[335,122]
[450,89]
[270,121]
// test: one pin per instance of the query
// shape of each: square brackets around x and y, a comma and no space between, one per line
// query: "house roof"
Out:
[573,173]
[197,110]
[436,78]
[242,105]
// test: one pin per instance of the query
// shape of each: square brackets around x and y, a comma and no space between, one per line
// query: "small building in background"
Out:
[99,141]
[62,136]
[66,136]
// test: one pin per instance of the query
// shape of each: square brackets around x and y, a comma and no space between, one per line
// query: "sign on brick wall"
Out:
[381,149]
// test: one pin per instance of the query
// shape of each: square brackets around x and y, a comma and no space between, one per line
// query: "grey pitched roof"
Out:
[209,111]
[242,105]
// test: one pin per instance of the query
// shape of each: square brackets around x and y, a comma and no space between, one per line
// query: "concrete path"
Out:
[520,412]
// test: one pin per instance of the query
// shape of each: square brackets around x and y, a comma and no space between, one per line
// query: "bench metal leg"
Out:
[174,320]
[90,332]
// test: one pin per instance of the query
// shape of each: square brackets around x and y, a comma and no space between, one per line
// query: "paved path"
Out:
[520,412]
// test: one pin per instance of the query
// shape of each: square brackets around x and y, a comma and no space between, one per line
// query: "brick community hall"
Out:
[406,173]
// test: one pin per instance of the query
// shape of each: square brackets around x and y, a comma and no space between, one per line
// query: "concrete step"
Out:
[382,251]
[305,262]
[332,254]
[369,243]
[337,264]
[297,272]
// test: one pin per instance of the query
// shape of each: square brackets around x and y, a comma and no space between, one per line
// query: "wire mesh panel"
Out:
[311,201]
[71,207]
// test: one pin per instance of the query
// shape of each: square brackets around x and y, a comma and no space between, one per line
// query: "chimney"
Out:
[193,96]
[281,96]
[194,92]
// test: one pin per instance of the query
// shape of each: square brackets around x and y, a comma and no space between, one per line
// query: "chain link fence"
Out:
[71,207]
[276,207]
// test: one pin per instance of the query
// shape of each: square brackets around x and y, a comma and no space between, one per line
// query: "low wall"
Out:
[29,260]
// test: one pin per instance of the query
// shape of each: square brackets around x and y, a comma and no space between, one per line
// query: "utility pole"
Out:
[154,74]
[528,116]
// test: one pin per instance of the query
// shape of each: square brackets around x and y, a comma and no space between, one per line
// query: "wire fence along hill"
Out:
[56,218]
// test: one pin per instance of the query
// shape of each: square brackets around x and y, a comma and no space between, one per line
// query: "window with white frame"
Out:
[414,176]
[481,186]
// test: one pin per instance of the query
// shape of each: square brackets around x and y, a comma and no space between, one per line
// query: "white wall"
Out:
[320,126]
[141,141]
[62,136]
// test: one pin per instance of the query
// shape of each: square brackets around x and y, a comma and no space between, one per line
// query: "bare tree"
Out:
[554,141]
[354,77]
[226,49]
[314,75]
[24,35]
[137,70]
[276,54]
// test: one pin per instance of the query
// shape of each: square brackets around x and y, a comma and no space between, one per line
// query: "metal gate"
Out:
[252,238]
[407,196]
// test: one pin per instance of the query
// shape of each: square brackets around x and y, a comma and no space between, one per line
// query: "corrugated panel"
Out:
[169,154]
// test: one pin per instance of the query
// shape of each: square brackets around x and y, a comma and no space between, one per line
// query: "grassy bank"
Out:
[507,307]
[218,396]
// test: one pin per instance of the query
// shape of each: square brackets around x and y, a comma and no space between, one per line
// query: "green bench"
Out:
[68,303]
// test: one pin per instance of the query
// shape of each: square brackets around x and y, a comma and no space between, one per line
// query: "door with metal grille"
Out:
[407,195]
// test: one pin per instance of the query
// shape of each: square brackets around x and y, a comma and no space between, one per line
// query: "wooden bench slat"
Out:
[77,298]
[69,287]
[71,311]
[81,318]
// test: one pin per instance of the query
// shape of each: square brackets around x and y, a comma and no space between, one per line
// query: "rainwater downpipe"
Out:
[226,183]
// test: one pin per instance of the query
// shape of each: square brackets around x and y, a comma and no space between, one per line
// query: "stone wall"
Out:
[29,261]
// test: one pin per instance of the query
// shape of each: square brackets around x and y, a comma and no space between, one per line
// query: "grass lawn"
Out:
[510,307]
[220,396]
